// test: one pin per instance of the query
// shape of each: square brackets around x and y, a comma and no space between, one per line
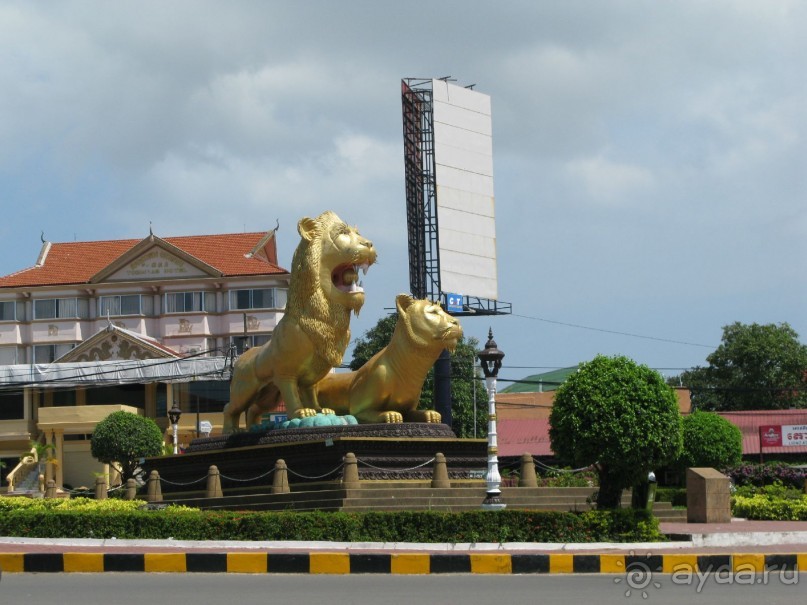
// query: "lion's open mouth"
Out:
[346,277]
[450,338]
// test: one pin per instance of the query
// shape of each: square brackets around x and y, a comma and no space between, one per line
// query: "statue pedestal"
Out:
[314,457]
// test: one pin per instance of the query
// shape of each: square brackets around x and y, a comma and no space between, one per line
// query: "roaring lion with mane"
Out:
[314,331]
[387,388]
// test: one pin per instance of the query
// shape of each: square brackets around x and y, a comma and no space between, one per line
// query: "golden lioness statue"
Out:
[387,387]
[314,331]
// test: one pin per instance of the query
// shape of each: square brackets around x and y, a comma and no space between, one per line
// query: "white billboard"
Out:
[463,154]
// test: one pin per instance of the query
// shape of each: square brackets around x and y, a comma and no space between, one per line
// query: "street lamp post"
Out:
[490,359]
[173,416]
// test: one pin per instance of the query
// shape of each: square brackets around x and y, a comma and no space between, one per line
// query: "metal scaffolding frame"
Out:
[421,201]
[421,195]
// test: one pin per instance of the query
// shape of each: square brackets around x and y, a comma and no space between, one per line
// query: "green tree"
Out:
[122,438]
[756,367]
[710,441]
[463,376]
[373,340]
[620,417]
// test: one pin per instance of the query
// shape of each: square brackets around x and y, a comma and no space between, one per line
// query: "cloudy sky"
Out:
[649,157]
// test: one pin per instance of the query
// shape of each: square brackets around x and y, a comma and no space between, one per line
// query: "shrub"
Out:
[767,474]
[85,504]
[677,496]
[410,526]
[122,439]
[621,416]
[773,491]
[710,441]
[770,507]
[568,479]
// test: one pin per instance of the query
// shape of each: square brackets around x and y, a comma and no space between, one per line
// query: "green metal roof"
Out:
[548,381]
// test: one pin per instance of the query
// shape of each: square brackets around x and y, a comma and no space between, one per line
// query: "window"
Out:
[162,400]
[129,304]
[187,302]
[64,397]
[8,310]
[125,394]
[205,396]
[253,341]
[50,353]
[257,299]
[61,308]
[12,407]
[79,437]
[8,356]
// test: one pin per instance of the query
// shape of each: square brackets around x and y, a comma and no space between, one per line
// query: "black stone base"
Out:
[314,456]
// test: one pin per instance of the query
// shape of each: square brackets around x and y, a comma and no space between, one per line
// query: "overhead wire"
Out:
[617,332]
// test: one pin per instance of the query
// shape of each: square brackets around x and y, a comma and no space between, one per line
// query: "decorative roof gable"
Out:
[154,258]
[115,343]
[266,248]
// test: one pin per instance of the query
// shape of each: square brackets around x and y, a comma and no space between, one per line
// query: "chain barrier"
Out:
[563,470]
[248,479]
[516,464]
[379,468]
[79,491]
[266,474]
[318,477]
[182,484]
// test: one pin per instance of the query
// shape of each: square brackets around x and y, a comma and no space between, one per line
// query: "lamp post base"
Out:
[493,501]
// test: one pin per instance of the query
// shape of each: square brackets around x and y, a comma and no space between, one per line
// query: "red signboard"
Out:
[787,435]
[770,436]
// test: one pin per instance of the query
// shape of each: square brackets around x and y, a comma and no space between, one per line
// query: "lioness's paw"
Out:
[432,416]
[390,417]
[327,412]
[304,412]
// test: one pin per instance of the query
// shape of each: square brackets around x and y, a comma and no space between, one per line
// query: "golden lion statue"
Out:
[314,331]
[387,387]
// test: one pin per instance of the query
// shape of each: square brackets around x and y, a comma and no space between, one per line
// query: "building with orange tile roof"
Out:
[200,296]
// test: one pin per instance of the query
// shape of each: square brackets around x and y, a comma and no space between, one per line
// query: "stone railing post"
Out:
[440,472]
[154,492]
[131,490]
[280,480]
[527,478]
[50,491]
[350,472]
[100,488]
[213,483]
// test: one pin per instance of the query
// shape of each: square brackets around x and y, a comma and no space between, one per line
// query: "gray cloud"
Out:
[648,157]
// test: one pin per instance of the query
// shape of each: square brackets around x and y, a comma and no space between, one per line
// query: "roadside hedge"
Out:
[762,507]
[624,525]
[677,496]
[775,502]
[767,474]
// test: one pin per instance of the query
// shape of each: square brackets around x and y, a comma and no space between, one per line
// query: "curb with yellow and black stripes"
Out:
[396,563]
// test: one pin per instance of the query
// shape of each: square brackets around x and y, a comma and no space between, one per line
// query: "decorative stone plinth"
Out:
[708,496]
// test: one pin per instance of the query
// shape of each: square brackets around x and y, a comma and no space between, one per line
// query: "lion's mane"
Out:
[325,323]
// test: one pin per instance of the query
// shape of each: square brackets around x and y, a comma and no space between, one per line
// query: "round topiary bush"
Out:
[710,441]
[122,439]
[619,416]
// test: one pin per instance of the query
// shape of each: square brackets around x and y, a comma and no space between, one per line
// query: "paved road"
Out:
[203,589]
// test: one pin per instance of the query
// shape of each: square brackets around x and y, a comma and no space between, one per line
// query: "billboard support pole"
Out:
[760,445]
[442,387]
